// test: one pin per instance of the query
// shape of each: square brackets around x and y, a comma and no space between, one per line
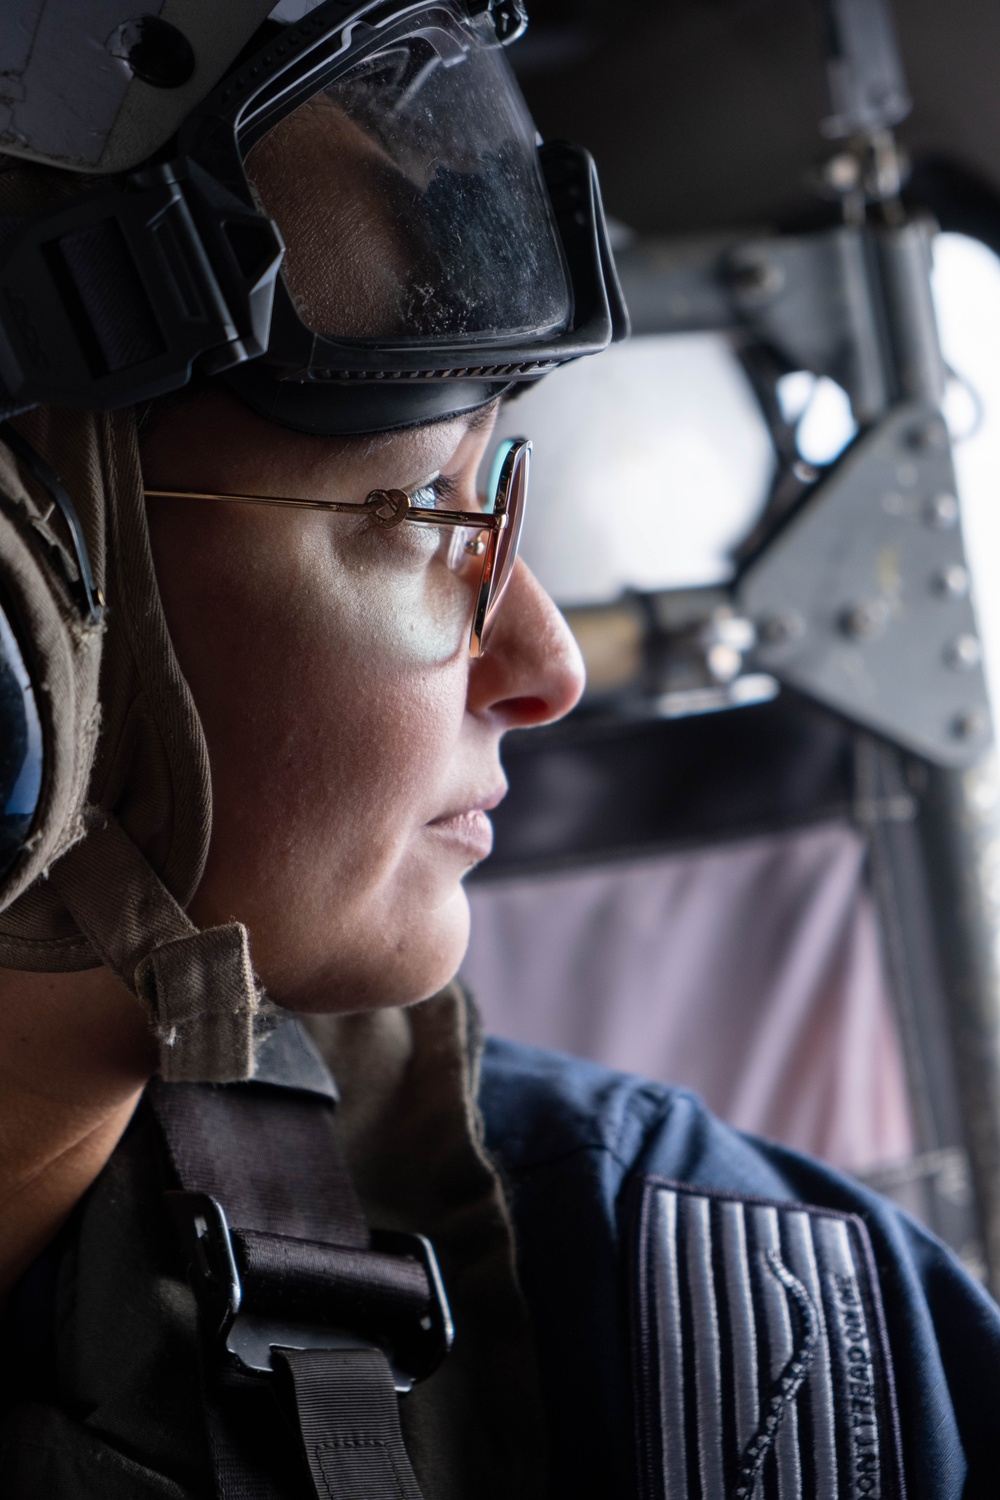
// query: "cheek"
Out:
[331,712]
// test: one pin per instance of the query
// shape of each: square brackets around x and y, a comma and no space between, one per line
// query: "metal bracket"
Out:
[863,598]
[853,303]
[864,71]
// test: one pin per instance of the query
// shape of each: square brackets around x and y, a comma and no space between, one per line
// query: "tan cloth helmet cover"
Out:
[64,653]
[149,765]
[127,789]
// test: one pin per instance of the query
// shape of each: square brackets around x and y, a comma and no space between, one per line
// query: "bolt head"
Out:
[865,622]
[972,725]
[734,631]
[942,512]
[781,630]
[965,653]
[724,662]
[754,278]
[954,581]
[843,172]
[931,434]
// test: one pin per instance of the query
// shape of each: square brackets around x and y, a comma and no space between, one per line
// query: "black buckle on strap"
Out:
[320,1297]
[110,297]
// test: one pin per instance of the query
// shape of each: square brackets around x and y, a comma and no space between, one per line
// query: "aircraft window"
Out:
[821,413]
[966,282]
[650,464]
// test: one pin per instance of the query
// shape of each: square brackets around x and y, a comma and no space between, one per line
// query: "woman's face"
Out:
[354,745]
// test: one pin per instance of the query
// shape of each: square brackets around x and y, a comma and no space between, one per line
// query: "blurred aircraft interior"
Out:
[761,859]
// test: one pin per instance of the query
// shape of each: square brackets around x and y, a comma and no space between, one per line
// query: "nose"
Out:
[531,672]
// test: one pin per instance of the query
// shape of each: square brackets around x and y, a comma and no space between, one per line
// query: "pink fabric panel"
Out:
[750,973]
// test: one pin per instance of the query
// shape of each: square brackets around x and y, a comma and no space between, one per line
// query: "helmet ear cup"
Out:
[48,692]
[21,751]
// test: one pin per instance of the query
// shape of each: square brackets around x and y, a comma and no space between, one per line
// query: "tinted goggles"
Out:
[433,253]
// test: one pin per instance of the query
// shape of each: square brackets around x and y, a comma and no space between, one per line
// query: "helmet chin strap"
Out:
[205,1005]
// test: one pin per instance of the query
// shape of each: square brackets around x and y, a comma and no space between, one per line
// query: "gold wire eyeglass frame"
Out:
[389,508]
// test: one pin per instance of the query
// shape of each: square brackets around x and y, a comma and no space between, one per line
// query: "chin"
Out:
[404,964]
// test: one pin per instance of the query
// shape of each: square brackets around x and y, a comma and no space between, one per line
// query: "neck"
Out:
[75,1055]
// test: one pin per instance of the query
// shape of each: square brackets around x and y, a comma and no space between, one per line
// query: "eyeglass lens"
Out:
[517,486]
[507,491]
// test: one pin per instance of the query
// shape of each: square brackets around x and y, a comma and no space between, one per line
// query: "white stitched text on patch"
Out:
[860,1387]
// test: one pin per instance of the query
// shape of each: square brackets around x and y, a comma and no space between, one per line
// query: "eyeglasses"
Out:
[496,528]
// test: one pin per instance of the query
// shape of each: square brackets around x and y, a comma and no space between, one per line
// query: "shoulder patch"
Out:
[761,1365]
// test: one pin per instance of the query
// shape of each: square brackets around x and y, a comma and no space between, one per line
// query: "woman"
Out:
[354,747]
[315,638]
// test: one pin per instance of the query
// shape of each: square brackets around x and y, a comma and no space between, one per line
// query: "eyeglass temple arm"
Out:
[482,520]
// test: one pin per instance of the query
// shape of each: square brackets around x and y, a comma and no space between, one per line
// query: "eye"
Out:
[441,494]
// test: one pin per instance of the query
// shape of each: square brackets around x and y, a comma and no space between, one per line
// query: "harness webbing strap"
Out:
[295,1278]
[349,1422]
[270,1156]
[301,1245]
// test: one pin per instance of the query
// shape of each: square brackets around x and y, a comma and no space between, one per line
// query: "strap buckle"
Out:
[316,1296]
[112,296]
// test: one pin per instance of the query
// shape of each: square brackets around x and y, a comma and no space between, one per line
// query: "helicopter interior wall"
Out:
[704,114]
[790,936]
[751,973]
[690,899]
[712,899]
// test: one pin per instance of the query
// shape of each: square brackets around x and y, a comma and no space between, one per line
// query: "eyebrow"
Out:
[477,420]
[483,415]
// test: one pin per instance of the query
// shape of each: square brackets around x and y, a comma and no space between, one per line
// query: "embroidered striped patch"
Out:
[762,1369]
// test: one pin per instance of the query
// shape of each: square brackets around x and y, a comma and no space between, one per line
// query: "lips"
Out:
[484,804]
[470,825]
[471,829]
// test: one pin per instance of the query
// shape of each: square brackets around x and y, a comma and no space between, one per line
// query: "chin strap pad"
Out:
[203,1000]
[204,1003]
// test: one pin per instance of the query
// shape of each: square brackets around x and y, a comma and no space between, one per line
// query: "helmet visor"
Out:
[407,188]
